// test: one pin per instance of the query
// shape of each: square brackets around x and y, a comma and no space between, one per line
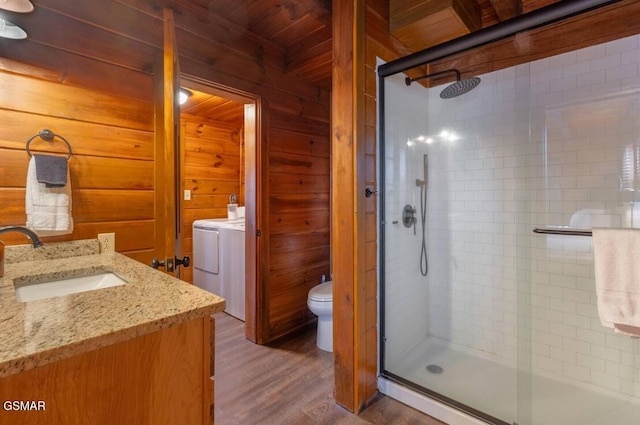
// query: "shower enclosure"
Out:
[504,326]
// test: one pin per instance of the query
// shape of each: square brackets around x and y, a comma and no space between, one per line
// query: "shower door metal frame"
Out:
[538,18]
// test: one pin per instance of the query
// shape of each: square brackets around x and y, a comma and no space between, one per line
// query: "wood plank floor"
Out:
[288,382]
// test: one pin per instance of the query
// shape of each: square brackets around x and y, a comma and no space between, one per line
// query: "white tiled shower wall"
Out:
[550,143]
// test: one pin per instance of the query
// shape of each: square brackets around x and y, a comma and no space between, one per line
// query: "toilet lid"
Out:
[322,292]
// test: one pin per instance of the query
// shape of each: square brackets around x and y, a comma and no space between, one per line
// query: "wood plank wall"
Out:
[212,169]
[215,50]
[294,129]
[298,181]
[111,168]
[113,47]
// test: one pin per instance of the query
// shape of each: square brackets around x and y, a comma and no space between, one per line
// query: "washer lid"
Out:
[206,224]
[322,292]
[218,223]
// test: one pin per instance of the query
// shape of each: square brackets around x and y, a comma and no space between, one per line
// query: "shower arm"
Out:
[408,80]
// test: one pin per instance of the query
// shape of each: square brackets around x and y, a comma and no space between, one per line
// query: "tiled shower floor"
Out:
[492,388]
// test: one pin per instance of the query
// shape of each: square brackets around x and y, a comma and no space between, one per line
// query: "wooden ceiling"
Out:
[294,36]
[420,24]
[301,28]
[213,107]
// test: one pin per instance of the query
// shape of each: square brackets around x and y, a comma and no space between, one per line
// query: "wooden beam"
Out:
[348,203]
[507,9]
[342,200]
[423,23]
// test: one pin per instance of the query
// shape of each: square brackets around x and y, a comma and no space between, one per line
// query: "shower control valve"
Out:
[409,217]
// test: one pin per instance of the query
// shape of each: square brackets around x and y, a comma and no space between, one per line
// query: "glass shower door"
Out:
[454,205]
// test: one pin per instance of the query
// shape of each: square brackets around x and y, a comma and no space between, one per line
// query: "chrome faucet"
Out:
[35,240]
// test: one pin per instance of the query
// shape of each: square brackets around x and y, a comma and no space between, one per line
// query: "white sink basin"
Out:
[56,288]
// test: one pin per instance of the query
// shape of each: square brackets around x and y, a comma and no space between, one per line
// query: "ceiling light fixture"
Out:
[183,96]
[21,6]
[9,30]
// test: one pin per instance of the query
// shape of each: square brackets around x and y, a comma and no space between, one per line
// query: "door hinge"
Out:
[258,232]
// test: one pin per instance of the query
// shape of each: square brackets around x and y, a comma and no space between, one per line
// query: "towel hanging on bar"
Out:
[48,190]
[48,209]
[617,276]
[51,170]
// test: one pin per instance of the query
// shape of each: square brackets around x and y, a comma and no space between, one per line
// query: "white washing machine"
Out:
[219,260]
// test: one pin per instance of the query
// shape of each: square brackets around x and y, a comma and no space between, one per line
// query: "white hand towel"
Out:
[617,271]
[48,208]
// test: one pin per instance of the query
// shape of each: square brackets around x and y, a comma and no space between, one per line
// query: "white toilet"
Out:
[320,302]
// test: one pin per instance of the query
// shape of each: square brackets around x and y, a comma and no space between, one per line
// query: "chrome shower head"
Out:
[456,89]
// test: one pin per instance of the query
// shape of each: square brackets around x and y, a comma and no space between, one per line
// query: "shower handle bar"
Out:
[575,232]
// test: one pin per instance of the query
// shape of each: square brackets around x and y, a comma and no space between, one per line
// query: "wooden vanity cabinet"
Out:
[155,379]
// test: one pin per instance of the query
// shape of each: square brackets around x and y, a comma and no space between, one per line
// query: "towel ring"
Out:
[48,136]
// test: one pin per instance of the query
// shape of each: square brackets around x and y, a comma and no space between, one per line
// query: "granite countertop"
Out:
[43,331]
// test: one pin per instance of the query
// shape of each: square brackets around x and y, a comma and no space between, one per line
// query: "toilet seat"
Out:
[322,293]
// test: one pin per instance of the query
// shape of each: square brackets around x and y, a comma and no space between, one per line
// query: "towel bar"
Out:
[567,232]
[48,136]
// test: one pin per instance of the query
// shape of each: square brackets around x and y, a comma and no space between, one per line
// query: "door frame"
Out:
[166,134]
[253,179]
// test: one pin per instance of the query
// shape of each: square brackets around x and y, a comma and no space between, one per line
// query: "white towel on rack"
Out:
[48,208]
[617,271]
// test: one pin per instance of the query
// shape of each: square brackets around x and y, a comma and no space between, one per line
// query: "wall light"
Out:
[21,6]
[183,96]
[9,30]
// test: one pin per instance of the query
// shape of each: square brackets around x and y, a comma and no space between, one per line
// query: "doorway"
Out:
[218,153]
